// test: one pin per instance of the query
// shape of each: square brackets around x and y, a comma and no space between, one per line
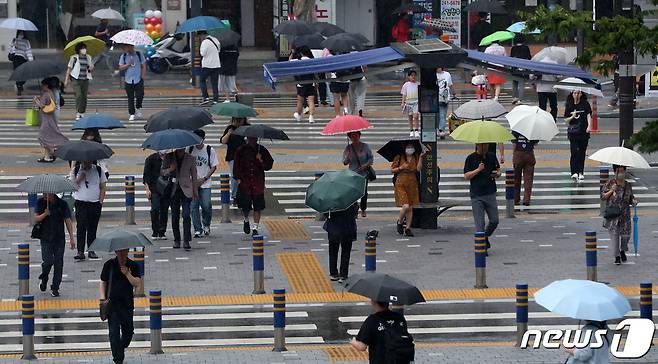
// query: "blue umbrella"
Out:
[583,300]
[636,233]
[98,121]
[200,23]
[171,139]
[519,27]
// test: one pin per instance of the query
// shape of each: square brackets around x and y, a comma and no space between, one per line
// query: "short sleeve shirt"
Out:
[54,224]
[105,37]
[522,143]
[443,82]
[203,165]
[234,142]
[372,333]
[121,291]
[410,92]
[482,184]
[133,73]
[581,118]
[89,188]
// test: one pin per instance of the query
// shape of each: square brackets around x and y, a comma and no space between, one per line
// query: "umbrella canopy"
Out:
[532,122]
[440,24]
[345,124]
[171,139]
[119,239]
[261,131]
[132,36]
[567,84]
[313,41]
[200,23]
[83,150]
[583,300]
[108,13]
[18,24]
[396,147]
[499,36]
[178,117]
[519,27]
[335,191]
[410,8]
[47,183]
[94,45]
[226,37]
[233,109]
[345,42]
[326,29]
[37,69]
[486,6]
[556,54]
[620,156]
[293,27]
[97,121]
[480,110]
[482,132]
[384,288]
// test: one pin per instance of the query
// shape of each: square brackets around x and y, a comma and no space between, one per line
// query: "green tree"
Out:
[647,138]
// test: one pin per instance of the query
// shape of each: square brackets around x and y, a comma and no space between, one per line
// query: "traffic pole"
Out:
[646,300]
[521,311]
[279,301]
[258,253]
[23,270]
[595,115]
[509,193]
[319,216]
[371,254]
[32,199]
[590,255]
[130,200]
[480,260]
[155,321]
[604,177]
[225,194]
[138,257]
[27,318]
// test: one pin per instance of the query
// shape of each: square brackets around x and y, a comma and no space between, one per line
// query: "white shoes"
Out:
[311,119]
[581,177]
[138,114]
[411,133]
[131,118]
[227,100]
[306,110]
[345,111]
[297,116]
[417,134]
[78,116]
[574,176]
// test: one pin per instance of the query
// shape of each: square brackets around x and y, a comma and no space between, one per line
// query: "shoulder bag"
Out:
[163,185]
[106,304]
[371,175]
[613,212]
[50,107]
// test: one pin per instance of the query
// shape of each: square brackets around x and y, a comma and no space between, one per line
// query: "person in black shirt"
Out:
[159,201]
[119,277]
[371,334]
[479,30]
[233,142]
[522,51]
[341,232]
[578,116]
[53,213]
[103,33]
[524,166]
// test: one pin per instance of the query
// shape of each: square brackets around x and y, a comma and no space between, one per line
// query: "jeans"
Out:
[619,242]
[518,89]
[551,97]
[578,149]
[105,56]
[345,245]
[524,166]
[159,213]
[442,117]
[121,329]
[234,183]
[135,92]
[206,210]
[52,254]
[81,89]
[481,205]
[357,95]
[213,73]
[87,215]
[177,201]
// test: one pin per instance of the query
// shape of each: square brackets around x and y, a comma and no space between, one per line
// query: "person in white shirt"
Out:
[79,72]
[206,164]
[20,51]
[91,182]
[446,92]
[210,66]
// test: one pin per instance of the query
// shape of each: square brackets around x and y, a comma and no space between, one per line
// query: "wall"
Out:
[357,17]
[172,16]
[247,16]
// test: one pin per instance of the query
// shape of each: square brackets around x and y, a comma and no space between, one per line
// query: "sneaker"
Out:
[297,116]
[92,255]
[341,279]
[407,232]
[78,116]
[254,232]
[227,100]
[131,118]
[624,258]
[417,134]
[324,103]
[176,244]
[345,111]
[155,236]
[361,113]
[115,73]
[205,102]
[334,278]
[197,234]
[55,293]
[80,256]
[186,246]
[306,110]
[442,134]
[617,260]
[206,230]
[400,228]
[581,177]
[411,133]
[245,227]
[163,237]
[574,176]
[44,284]
[138,114]
[311,119]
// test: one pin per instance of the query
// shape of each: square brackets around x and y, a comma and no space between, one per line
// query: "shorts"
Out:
[410,109]
[250,202]
[339,87]
[306,90]
[495,78]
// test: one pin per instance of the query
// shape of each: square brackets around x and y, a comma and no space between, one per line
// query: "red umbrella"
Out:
[345,124]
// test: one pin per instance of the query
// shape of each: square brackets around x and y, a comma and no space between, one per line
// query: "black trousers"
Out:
[121,329]
[337,242]
[578,149]
[135,92]
[322,88]
[364,200]
[550,97]
[52,255]
[87,215]
[18,60]
[177,201]
[159,213]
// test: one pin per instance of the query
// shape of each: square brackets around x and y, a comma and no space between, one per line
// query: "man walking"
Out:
[184,191]
[206,164]
[251,162]
[546,94]
[481,169]
[103,33]
[133,63]
[210,66]
[157,193]
[524,166]
[233,142]
[90,180]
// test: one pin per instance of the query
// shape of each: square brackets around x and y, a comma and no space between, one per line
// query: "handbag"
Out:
[37,231]
[50,107]
[163,185]
[611,212]
[32,117]
[370,175]
[105,305]
[479,80]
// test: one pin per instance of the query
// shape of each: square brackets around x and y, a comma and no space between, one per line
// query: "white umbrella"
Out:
[557,54]
[588,89]
[18,24]
[108,13]
[532,122]
[620,156]
[132,36]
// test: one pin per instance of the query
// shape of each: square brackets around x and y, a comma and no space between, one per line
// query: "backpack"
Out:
[398,343]
[123,57]
[76,169]
[190,149]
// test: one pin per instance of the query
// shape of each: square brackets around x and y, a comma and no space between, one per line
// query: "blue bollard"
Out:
[480,260]
[138,257]
[130,200]
[32,199]
[225,194]
[590,255]
[371,254]
[646,300]
[509,193]
[27,318]
[155,321]
[521,311]
[258,253]
[23,270]
[279,301]
[604,177]
[396,307]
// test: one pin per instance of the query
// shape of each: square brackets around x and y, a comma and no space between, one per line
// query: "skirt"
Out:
[306,90]
[339,87]
[495,78]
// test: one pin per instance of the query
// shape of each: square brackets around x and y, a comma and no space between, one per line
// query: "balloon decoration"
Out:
[153,25]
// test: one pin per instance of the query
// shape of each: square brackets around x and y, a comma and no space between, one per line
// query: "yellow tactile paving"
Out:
[344,353]
[304,272]
[286,230]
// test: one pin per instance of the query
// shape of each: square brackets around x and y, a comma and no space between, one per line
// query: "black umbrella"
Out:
[486,6]
[384,288]
[83,150]
[313,41]
[261,131]
[37,69]
[397,147]
[345,42]
[226,37]
[326,29]
[293,27]
[178,117]
[410,8]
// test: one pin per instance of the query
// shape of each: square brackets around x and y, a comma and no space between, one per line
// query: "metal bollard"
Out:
[155,321]
[509,193]
[595,114]
[130,200]
[279,300]
[27,316]
[590,255]
[319,216]
[396,307]
[258,253]
[371,254]
[23,270]
[480,260]
[521,311]
[138,257]
[32,199]
[225,194]
[604,176]
[646,300]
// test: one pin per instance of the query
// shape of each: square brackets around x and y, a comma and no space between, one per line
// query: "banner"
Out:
[452,13]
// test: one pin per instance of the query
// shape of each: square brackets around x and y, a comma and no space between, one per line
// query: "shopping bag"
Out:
[32,117]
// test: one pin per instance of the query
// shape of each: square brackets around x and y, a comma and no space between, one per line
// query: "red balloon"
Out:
[153,20]
[147,21]
[157,21]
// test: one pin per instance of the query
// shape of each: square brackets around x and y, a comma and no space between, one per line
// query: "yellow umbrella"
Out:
[94,45]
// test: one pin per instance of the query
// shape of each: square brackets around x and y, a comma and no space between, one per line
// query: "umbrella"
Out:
[440,24]
[480,110]
[499,36]
[326,29]
[83,150]
[132,36]
[226,37]
[261,131]
[519,27]
[293,27]
[410,8]
[486,6]
[345,124]
[384,288]
[40,68]
[344,42]
[94,45]
[556,54]
[532,122]
[18,24]
[583,300]
[396,147]
[108,13]
[335,191]
[620,156]
[199,23]
[233,109]
[98,121]
[636,233]
[482,132]
[178,117]
[588,89]
[119,239]
[47,183]
[171,139]
[313,41]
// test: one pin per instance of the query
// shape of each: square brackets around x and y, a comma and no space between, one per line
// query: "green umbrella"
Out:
[335,191]
[119,240]
[233,109]
[499,36]
[483,131]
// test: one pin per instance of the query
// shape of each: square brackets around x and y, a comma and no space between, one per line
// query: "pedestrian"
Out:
[91,182]
[357,91]
[546,94]
[480,29]
[328,96]
[578,117]
[119,277]
[184,190]
[210,65]
[103,33]
[339,90]
[405,169]
[479,80]
[341,232]
[401,29]
[228,57]
[481,169]
[53,214]
[446,93]
[618,196]
[56,86]
[92,135]
[50,136]
[158,192]
[359,158]
[587,354]
[79,72]
[495,78]
[305,90]
[133,64]
[233,142]
[205,158]
[250,163]
[20,51]
[384,334]
[522,51]
[409,103]
[523,160]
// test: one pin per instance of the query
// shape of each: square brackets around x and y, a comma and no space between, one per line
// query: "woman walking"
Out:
[20,51]
[495,79]
[578,116]
[409,94]
[359,158]
[341,231]
[228,57]
[79,72]
[404,168]
[522,51]
[50,136]
[619,197]
[305,91]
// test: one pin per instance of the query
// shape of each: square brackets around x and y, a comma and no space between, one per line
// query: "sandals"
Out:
[44,160]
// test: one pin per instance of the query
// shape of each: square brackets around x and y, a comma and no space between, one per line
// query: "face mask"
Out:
[83,51]
[409,151]
[621,175]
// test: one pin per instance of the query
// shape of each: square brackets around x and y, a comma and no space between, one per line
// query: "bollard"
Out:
[646,300]
[27,316]
[225,194]
[130,200]
[371,253]
[521,311]
[604,176]
[509,193]
[595,115]
[279,300]
[258,252]
[396,307]
[32,206]
[319,216]
[23,270]
[138,257]
[480,260]
[155,321]
[590,255]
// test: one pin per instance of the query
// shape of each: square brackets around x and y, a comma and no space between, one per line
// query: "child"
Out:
[479,80]
[410,103]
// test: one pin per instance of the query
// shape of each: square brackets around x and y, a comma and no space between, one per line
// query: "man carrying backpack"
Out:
[210,65]
[132,65]
[90,180]
[206,164]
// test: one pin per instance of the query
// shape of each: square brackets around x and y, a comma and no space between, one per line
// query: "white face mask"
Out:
[83,51]
[409,151]
[621,175]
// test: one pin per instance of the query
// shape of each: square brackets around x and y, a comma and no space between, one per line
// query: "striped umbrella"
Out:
[47,183]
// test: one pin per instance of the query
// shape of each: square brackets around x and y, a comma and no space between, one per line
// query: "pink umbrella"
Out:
[133,37]
[345,124]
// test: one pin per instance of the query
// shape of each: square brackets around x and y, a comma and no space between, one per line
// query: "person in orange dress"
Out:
[404,168]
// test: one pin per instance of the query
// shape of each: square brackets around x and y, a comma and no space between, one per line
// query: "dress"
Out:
[406,183]
[622,224]
[50,136]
